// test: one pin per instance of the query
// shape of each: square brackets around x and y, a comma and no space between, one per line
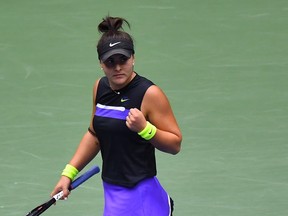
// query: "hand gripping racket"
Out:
[81,179]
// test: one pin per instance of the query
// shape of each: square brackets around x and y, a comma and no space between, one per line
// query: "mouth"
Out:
[118,75]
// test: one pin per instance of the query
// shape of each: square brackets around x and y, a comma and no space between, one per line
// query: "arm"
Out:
[157,110]
[89,145]
[87,149]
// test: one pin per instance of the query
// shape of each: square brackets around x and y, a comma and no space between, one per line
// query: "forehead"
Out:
[117,56]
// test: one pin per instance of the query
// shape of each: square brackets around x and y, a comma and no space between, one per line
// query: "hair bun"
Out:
[113,33]
[112,24]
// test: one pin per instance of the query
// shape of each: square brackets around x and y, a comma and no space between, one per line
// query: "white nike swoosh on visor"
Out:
[113,44]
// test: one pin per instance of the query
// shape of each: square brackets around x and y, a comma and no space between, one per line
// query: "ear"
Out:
[101,65]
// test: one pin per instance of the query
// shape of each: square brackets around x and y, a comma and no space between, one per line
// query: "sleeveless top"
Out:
[127,158]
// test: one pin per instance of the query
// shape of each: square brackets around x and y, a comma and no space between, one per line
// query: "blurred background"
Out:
[222,64]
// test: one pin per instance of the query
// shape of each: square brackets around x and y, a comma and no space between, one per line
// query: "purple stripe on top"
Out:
[115,112]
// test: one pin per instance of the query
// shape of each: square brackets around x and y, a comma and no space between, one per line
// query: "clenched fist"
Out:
[135,120]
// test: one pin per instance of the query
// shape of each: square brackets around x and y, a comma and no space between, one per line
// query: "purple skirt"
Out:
[147,198]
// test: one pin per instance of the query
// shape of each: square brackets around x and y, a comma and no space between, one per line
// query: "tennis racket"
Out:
[81,179]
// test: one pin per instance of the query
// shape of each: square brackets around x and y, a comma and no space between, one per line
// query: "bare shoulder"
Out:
[155,102]
[95,87]
[155,94]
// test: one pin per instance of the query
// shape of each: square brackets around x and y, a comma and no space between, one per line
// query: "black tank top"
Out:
[127,158]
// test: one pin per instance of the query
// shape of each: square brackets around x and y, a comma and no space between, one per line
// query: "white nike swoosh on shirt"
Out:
[113,44]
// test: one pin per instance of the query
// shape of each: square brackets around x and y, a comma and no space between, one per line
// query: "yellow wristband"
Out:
[148,132]
[70,171]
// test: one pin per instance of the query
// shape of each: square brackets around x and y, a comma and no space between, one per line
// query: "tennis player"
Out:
[131,117]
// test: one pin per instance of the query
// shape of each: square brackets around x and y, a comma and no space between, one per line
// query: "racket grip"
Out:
[88,174]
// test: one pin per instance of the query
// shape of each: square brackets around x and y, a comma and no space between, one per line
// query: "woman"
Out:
[130,118]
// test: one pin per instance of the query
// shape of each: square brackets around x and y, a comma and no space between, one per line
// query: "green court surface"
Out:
[222,63]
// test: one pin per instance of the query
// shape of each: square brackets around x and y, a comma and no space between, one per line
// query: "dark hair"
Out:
[111,29]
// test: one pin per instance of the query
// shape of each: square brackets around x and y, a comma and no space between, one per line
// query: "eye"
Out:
[109,62]
[123,59]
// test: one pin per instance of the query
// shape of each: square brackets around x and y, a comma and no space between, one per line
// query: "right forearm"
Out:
[86,151]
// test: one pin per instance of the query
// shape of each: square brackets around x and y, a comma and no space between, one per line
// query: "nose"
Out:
[117,67]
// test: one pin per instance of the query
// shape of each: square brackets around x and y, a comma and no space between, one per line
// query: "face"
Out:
[119,70]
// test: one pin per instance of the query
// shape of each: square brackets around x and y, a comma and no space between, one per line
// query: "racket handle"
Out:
[88,174]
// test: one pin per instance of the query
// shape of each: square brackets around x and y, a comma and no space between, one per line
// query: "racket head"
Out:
[41,208]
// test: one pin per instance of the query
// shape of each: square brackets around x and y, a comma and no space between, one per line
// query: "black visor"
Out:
[113,47]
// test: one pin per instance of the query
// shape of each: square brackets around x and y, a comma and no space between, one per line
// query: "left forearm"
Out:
[167,142]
